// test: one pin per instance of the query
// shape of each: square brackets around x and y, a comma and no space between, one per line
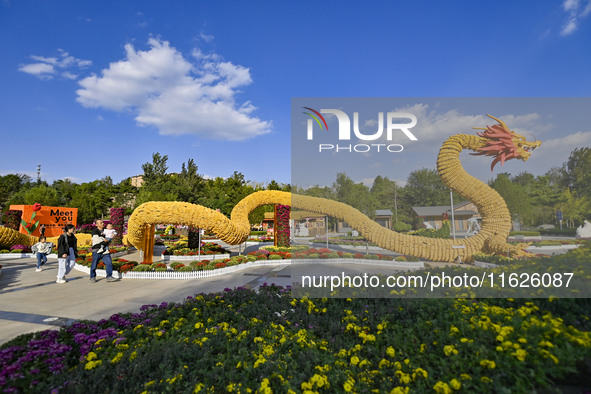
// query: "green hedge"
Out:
[565,232]
[525,233]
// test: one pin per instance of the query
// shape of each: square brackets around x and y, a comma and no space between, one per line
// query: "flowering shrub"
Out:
[208,248]
[494,259]
[12,219]
[170,237]
[126,268]
[118,222]
[282,231]
[20,249]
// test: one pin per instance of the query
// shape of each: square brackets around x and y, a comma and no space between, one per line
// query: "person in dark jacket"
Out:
[67,252]
[99,243]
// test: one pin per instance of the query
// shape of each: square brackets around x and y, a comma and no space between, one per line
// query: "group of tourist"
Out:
[67,251]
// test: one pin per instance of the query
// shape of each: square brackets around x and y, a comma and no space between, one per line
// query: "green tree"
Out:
[354,194]
[424,187]
[10,185]
[189,185]
[93,199]
[544,195]
[43,195]
[224,194]
[154,176]
[574,208]
[578,171]
[514,195]
[125,195]
[65,190]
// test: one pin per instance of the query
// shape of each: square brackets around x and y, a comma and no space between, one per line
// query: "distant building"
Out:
[137,181]
[432,217]
[382,216]
[307,224]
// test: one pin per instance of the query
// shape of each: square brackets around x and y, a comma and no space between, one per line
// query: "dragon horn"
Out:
[498,120]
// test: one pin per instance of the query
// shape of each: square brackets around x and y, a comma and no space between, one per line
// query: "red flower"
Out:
[36,207]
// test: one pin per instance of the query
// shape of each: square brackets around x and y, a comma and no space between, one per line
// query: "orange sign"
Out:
[54,219]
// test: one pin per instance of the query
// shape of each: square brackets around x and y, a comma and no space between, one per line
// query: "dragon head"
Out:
[504,144]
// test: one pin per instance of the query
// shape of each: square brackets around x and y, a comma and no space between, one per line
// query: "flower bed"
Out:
[119,265]
[240,340]
[167,257]
[180,252]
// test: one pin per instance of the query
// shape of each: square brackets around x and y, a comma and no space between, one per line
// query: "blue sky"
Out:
[92,88]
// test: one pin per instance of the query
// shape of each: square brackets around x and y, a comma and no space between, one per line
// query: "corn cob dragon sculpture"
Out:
[497,141]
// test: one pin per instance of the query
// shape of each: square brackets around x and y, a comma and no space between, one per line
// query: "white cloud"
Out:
[41,70]
[575,12]
[206,37]
[570,27]
[563,146]
[48,67]
[368,181]
[570,5]
[434,127]
[169,92]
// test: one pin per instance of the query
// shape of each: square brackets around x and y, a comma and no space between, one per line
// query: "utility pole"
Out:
[396,203]
[326,217]
[453,222]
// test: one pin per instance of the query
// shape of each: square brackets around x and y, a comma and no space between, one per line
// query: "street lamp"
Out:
[453,221]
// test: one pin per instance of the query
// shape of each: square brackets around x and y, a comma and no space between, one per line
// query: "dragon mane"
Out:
[500,143]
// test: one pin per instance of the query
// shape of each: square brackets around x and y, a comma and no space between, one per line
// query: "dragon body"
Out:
[496,141]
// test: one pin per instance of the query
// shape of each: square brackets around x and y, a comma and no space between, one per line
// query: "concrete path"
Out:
[32,301]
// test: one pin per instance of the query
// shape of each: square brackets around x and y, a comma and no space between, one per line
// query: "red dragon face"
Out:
[504,144]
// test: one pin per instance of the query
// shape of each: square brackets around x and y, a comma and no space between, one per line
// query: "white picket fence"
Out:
[185,275]
[209,257]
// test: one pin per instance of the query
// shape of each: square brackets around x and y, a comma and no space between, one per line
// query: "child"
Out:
[42,249]
[109,233]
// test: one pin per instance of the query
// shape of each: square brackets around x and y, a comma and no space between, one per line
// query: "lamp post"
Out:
[453,222]
[396,204]
[326,217]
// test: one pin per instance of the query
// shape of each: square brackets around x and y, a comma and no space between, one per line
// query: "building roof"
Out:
[440,210]
[461,204]
[301,215]
[431,211]
[383,212]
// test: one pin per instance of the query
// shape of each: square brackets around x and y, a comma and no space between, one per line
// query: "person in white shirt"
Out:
[42,249]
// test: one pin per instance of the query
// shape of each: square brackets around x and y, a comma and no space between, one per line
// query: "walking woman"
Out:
[67,251]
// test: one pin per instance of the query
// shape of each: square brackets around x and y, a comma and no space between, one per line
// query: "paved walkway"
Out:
[32,301]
